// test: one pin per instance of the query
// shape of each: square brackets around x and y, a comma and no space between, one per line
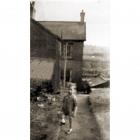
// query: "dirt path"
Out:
[85,126]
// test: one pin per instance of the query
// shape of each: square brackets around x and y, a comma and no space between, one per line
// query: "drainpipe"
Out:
[65,64]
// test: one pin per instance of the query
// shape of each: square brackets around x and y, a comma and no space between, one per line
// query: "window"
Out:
[68,50]
[62,51]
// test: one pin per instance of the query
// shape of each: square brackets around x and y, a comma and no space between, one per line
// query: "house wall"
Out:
[44,45]
[77,51]
[75,62]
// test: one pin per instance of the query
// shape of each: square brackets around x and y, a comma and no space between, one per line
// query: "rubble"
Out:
[44,119]
[41,105]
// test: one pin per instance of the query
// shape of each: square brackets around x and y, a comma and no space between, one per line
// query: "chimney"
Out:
[82,14]
[32,9]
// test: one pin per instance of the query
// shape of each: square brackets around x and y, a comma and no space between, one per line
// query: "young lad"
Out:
[69,107]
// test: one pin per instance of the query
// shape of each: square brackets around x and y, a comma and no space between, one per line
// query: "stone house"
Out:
[73,35]
[57,50]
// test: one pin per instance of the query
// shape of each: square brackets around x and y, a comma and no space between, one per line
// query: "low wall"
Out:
[99,105]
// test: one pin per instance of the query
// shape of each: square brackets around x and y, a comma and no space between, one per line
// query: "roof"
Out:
[96,81]
[42,69]
[44,28]
[102,85]
[67,30]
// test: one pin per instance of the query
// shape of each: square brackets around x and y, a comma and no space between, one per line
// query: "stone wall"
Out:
[44,46]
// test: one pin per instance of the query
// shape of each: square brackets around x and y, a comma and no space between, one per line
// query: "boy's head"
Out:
[71,90]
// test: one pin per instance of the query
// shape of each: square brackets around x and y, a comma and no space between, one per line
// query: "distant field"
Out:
[97,60]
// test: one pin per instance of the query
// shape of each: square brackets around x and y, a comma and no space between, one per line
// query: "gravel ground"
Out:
[85,126]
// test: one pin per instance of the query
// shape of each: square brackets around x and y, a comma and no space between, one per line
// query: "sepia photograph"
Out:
[69,70]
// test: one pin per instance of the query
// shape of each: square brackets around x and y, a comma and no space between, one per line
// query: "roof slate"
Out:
[66,30]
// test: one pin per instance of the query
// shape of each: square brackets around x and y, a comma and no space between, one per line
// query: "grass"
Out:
[99,105]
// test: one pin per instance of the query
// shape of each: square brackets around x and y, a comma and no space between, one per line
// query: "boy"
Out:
[69,107]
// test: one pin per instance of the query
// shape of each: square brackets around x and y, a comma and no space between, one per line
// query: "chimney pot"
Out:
[82,14]
[32,9]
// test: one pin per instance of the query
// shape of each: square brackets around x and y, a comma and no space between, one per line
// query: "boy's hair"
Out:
[70,85]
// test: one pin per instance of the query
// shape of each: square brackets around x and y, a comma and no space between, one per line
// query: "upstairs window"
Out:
[67,50]
[62,51]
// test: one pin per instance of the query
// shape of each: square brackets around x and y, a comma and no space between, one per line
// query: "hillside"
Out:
[96,52]
[96,63]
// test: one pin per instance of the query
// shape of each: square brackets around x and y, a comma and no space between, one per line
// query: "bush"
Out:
[48,86]
[83,86]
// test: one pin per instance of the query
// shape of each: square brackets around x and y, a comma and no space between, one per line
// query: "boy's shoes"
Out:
[69,131]
[63,122]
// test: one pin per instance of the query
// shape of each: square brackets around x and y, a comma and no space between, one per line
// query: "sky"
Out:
[97,16]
